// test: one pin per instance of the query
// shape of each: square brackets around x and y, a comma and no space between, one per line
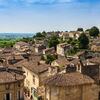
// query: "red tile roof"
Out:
[10,75]
[68,79]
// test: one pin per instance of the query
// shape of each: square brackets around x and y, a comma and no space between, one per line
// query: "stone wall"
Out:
[13,89]
[71,93]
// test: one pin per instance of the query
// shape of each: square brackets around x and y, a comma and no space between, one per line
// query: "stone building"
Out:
[60,62]
[74,65]
[64,35]
[22,46]
[91,67]
[71,34]
[35,73]
[11,84]
[9,59]
[39,48]
[63,48]
[96,47]
[68,86]
[49,51]
[67,65]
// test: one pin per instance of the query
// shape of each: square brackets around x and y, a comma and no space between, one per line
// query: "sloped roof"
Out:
[21,43]
[9,75]
[95,60]
[33,66]
[62,61]
[75,61]
[68,79]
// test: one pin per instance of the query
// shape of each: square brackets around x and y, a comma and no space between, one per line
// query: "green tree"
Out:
[39,34]
[7,42]
[71,51]
[83,41]
[44,33]
[28,39]
[94,31]
[50,58]
[69,41]
[80,29]
[53,41]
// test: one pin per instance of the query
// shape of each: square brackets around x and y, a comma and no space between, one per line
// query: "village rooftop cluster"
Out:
[52,66]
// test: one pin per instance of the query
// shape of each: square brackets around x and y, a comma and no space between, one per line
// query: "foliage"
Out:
[80,29]
[50,58]
[26,39]
[44,33]
[7,42]
[42,57]
[94,31]
[73,42]
[40,35]
[61,40]
[53,41]
[83,41]
[11,42]
[69,40]
[72,51]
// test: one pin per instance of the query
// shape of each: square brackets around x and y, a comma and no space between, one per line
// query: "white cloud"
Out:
[7,2]
[63,1]
[48,1]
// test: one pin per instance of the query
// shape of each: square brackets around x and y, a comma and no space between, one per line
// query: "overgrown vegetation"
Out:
[53,41]
[49,58]
[7,42]
[11,42]
[83,41]
[94,31]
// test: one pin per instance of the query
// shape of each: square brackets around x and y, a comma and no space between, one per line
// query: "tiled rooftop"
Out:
[68,79]
[10,75]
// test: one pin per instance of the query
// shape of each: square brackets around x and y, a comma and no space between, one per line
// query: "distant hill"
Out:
[15,35]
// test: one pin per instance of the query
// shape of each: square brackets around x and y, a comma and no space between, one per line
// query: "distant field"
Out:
[9,39]
[15,35]
[7,42]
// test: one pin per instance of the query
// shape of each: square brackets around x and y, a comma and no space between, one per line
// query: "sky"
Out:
[48,15]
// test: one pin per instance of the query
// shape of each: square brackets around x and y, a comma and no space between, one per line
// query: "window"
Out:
[33,79]
[7,96]
[18,95]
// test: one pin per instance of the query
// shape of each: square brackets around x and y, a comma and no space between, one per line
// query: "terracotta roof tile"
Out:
[33,66]
[62,61]
[22,43]
[9,75]
[68,79]
[95,60]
